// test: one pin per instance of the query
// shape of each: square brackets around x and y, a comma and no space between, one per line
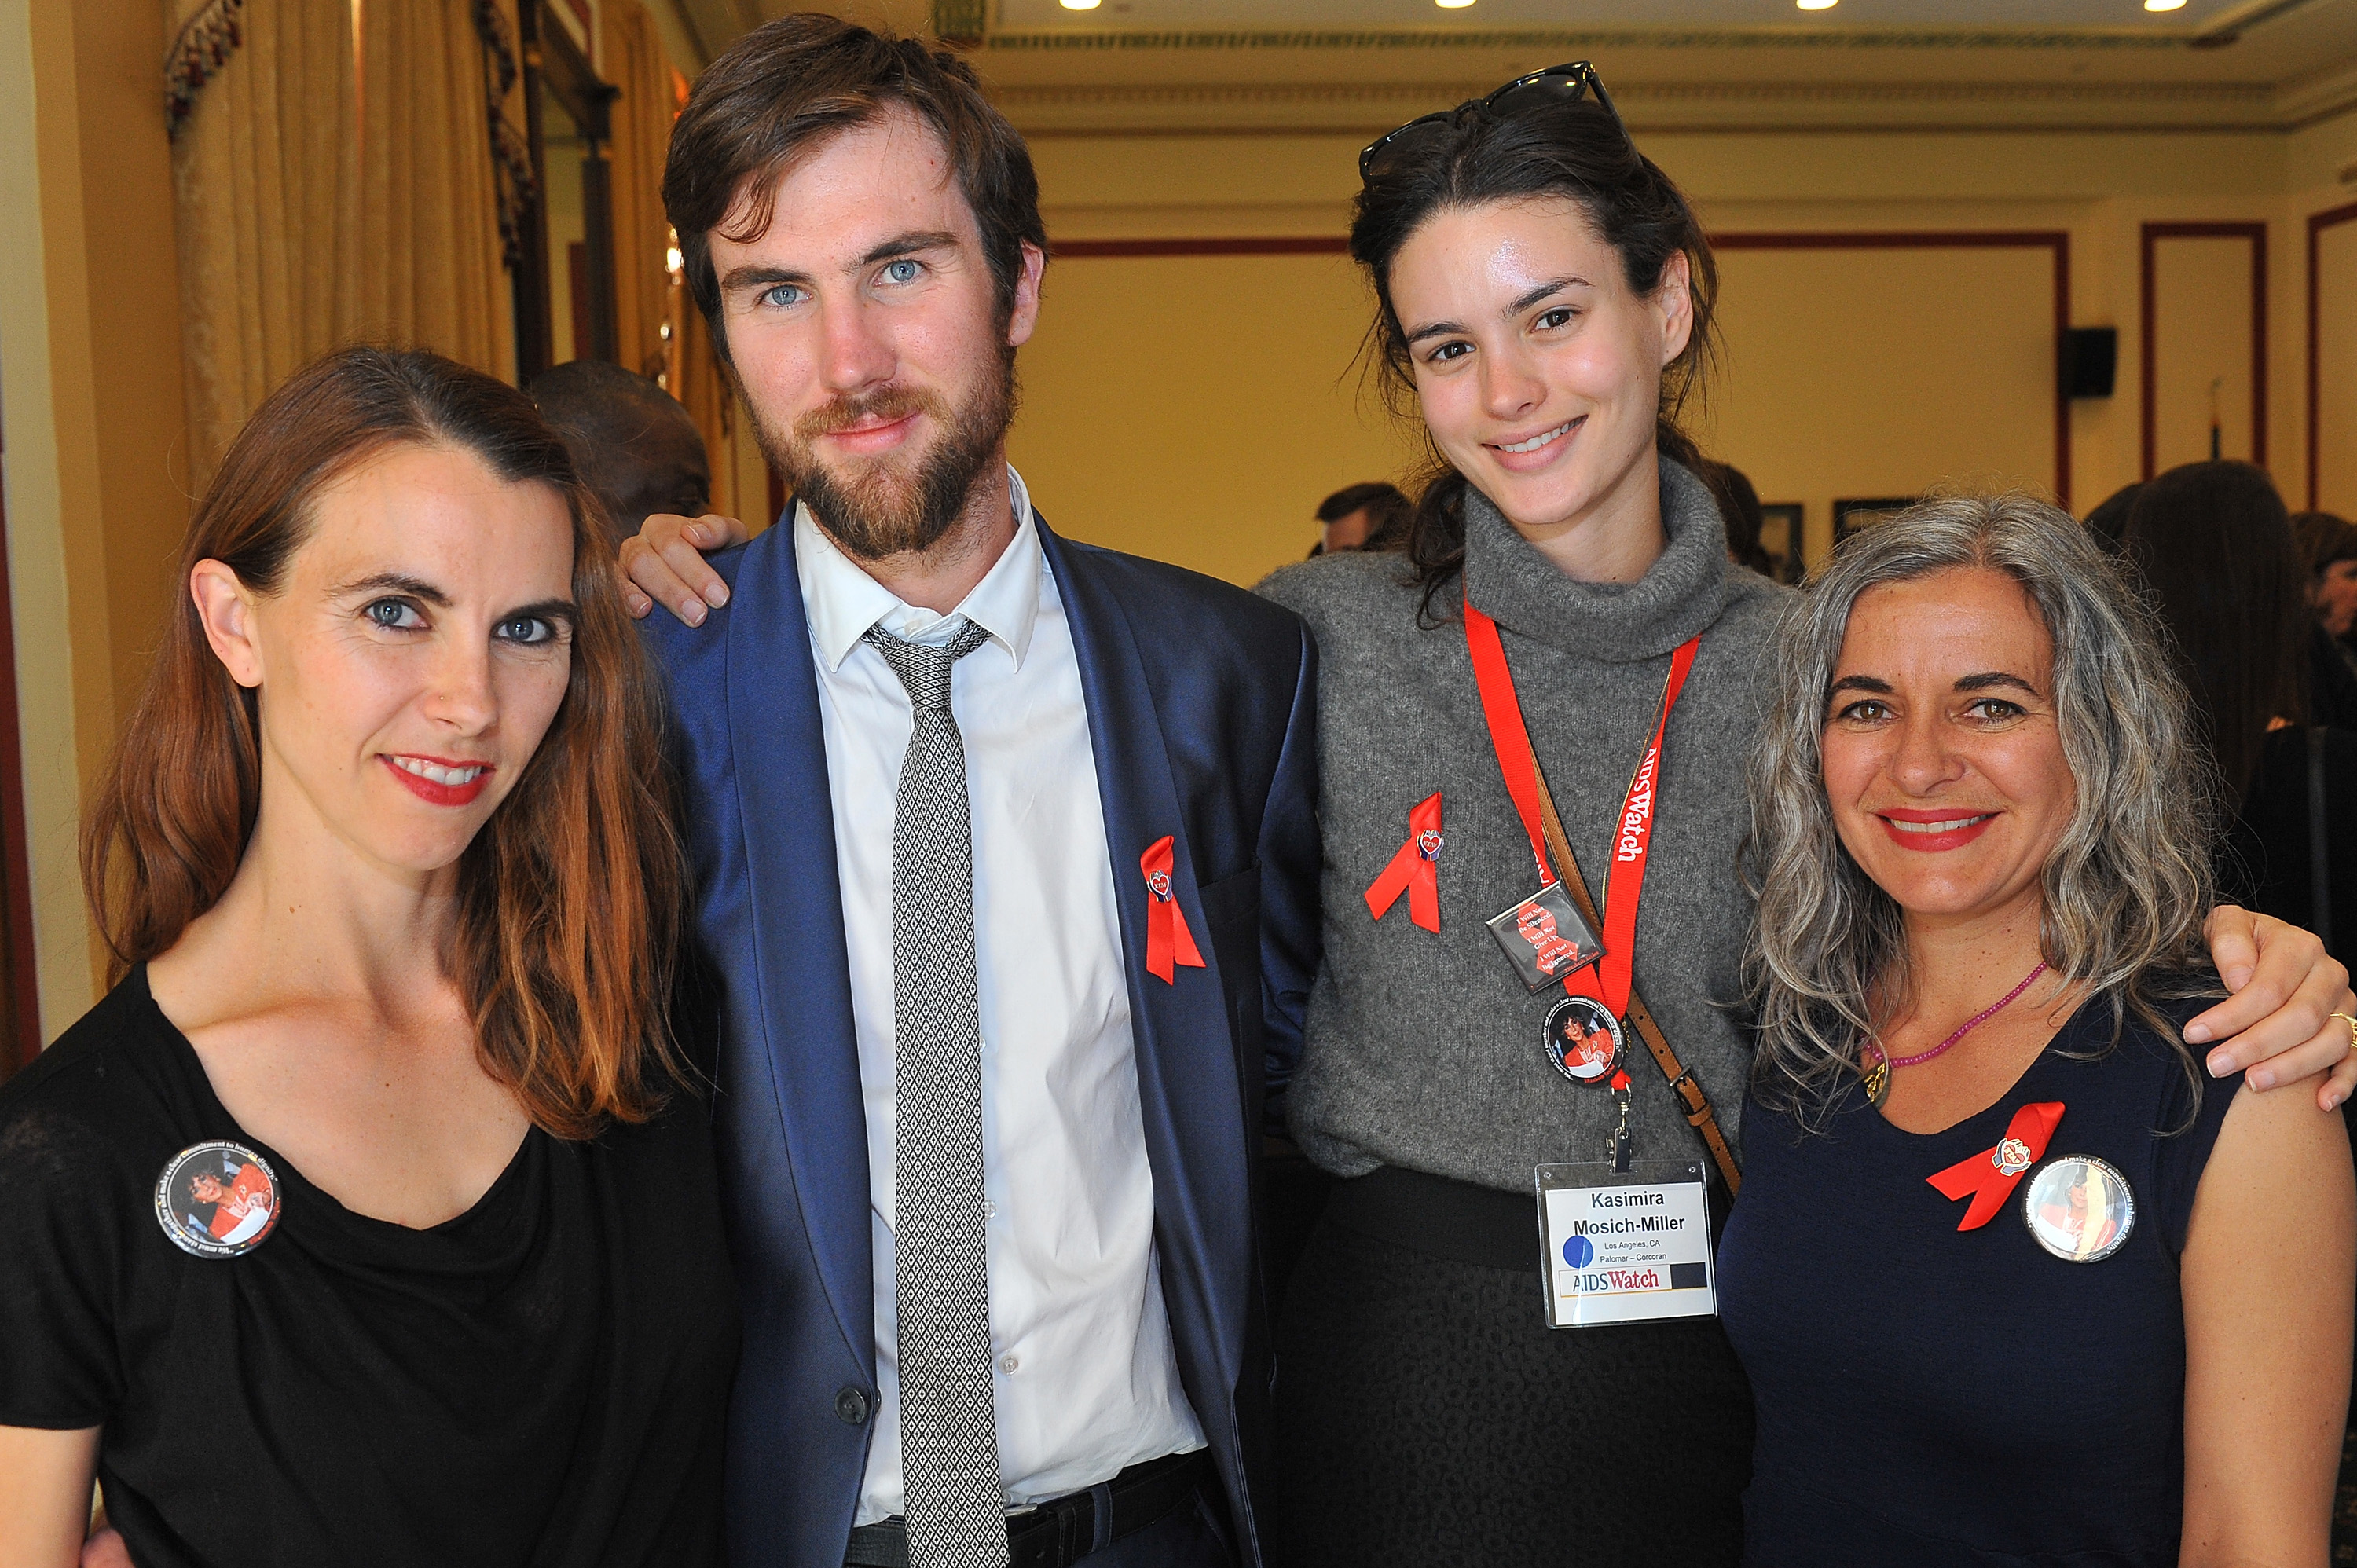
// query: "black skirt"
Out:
[1426,1415]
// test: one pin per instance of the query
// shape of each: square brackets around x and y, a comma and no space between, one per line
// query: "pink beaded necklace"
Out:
[1878,1075]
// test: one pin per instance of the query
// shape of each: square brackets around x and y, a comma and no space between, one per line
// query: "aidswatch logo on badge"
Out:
[217,1199]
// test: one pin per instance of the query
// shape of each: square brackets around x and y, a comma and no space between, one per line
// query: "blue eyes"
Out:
[527,631]
[402,615]
[394,615]
[786,295]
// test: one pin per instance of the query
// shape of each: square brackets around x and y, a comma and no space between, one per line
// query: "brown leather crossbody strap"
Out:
[1683,1085]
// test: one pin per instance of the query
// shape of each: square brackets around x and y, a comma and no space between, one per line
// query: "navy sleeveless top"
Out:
[1933,1397]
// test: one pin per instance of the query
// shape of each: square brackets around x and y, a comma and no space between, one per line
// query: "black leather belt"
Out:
[1064,1530]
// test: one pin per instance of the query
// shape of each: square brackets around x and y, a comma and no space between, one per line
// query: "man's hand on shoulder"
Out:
[664,564]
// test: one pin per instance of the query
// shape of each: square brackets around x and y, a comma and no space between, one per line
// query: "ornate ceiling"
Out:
[1243,66]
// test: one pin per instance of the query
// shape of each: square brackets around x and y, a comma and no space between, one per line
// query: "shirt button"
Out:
[989,1209]
[1008,1363]
[851,1404]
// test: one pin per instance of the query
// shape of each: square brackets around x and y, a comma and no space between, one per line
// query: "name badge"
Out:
[1626,1248]
[1544,938]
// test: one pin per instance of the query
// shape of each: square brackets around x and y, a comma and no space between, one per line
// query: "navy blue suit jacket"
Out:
[1201,710]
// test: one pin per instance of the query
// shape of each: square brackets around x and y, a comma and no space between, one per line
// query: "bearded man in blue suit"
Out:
[1006,876]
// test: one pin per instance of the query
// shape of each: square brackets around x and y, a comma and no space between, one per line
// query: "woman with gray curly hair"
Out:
[1982,835]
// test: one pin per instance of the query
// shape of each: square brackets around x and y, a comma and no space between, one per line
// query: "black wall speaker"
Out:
[2088,357]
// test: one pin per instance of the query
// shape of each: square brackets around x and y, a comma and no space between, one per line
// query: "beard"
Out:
[887,508]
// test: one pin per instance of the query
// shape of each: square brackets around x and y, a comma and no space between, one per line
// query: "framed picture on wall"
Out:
[1851,516]
[1779,535]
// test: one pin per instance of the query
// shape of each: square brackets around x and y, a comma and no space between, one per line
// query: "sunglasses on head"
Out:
[1555,84]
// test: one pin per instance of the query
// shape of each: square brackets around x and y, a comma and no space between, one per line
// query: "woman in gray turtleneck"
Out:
[1545,298]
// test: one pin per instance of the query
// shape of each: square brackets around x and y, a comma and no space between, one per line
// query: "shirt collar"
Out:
[843,601]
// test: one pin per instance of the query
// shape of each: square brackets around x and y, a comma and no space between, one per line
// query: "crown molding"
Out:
[1590,39]
[2318,97]
[1247,108]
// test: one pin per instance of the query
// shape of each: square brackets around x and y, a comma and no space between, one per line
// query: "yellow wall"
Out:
[1881,373]
[1199,408]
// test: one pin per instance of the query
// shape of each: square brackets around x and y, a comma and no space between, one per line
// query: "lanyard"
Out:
[1609,978]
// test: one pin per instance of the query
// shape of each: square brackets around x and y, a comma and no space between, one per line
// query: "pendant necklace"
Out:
[1879,1064]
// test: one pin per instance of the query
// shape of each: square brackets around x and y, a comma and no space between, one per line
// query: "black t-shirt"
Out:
[541,1381]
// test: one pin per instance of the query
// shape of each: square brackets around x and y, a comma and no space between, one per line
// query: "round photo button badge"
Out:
[2079,1207]
[1583,1041]
[217,1199]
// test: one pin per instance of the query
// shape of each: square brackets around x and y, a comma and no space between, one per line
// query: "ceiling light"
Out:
[1452,5]
[1828,4]
[1087,5]
[2164,4]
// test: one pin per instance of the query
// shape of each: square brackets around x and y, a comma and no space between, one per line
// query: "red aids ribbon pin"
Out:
[1989,1176]
[1414,870]
[1169,942]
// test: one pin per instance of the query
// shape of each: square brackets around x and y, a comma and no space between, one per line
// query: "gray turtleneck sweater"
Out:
[1425,1051]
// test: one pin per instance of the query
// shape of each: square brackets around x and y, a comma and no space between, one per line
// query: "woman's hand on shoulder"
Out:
[2280,1025]
[2266,1282]
[45,1492]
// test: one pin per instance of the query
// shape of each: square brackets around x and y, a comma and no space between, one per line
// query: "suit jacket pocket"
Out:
[1233,900]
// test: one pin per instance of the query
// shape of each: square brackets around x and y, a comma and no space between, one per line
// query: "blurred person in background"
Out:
[637,449]
[2110,517]
[2329,545]
[1738,503]
[1370,516]
[2254,632]
[2218,555]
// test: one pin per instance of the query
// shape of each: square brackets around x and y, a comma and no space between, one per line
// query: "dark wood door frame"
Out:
[2147,313]
[2318,222]
[553,64]
[22,1039]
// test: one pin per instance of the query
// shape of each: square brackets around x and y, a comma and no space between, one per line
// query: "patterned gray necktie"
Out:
[954,1499]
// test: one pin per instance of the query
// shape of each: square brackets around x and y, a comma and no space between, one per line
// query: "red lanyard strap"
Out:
[1609,978]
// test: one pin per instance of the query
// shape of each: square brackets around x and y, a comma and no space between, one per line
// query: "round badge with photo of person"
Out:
[2079,1208]
[1583,1041]
[217,1199]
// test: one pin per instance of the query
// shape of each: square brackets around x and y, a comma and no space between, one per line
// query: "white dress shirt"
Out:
[1086,1383]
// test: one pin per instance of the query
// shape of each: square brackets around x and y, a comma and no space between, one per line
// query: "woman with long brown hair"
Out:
[366,1219]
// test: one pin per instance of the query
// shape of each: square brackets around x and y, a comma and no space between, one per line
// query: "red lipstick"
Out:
[432,791]
[1969,825]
